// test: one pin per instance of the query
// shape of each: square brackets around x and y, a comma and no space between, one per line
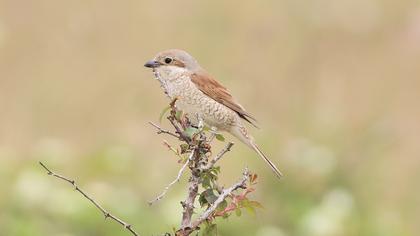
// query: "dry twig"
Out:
[181,171]
[97,205]
[219,156]
[163,131]
[175,151]
[188,204]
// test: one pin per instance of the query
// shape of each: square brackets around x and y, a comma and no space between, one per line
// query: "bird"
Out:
[202,98]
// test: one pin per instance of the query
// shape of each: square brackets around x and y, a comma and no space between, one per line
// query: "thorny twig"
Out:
[219,156]
[208,214]
[160,196]
[225,193]
[169,146]
[97,205]
[181,171]
[163,131]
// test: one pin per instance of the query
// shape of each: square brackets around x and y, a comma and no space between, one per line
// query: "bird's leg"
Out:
[213,132]
[200,125]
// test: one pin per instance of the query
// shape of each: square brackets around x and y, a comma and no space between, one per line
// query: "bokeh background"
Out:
[335,86]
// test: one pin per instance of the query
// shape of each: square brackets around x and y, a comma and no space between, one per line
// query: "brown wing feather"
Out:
[219,93]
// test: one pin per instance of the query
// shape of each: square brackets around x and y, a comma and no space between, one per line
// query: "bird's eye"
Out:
[168,60]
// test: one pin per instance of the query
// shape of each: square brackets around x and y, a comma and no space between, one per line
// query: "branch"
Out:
[208,214]
[169,146]
[163,131]
[160,196]
[225,193]
[219,156]
[213,132]
[104,212]
[179,131]
[188,204]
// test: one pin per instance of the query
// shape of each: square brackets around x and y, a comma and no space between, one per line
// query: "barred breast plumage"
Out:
[195,103]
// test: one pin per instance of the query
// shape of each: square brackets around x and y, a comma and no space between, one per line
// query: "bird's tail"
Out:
[242,134]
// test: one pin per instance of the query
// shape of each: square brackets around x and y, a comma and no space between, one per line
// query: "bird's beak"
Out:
[152,64]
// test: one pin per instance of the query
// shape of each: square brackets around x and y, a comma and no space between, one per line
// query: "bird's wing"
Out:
[219,93]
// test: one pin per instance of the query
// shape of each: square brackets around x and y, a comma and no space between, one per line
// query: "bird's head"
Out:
[173,61]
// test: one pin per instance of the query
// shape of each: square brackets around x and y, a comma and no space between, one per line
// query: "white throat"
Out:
[170,77]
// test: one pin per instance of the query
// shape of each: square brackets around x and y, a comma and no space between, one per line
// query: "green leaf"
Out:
[238,212]
[178,115]
[210,230]
[220,137]
[190,131]
[163,112]
[206,182]
[202,200]
[222,205]
[256,204]
[244,202]
[211,175]
[250,206]
[215,170]
[209,196]
[251,210]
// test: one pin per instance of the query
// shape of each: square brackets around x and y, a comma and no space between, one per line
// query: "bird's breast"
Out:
[195,104]
[172,84]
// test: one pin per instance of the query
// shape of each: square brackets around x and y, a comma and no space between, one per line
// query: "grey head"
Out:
[174,57]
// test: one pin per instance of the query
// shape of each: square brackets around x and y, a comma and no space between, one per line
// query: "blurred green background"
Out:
[335,86]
